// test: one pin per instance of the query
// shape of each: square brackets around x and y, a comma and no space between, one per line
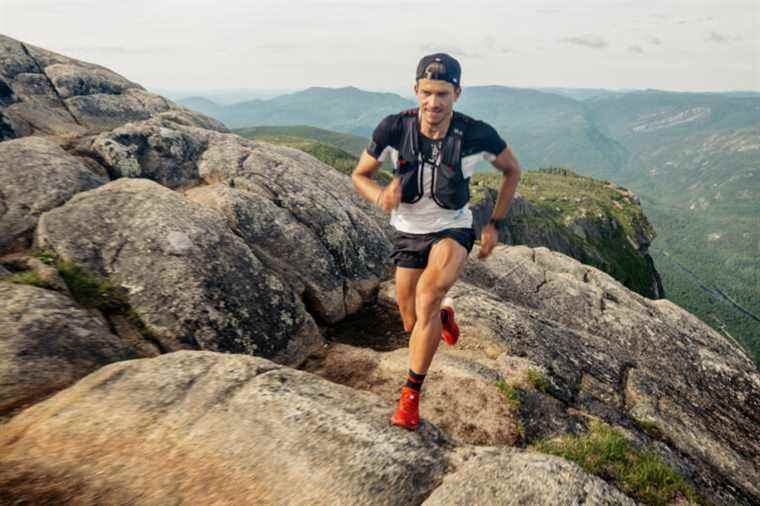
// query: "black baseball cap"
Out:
[452,72]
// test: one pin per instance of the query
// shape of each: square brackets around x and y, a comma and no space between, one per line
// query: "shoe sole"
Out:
[404,426]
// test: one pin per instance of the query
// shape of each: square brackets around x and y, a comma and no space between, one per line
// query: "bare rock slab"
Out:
[209,428]
[517,478]
[193,282]
[36,175]
[47,342]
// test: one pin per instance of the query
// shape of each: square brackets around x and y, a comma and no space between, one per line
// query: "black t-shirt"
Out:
[480,142]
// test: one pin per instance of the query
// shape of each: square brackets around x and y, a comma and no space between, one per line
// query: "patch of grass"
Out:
[90,291]
[28,278]
[605,452]
[538,380]
[45,256]
[511,394]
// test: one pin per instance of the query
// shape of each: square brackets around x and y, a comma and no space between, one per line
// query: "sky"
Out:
[681,45]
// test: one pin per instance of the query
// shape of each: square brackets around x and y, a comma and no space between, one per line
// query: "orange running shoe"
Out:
[450,331]
[408,411]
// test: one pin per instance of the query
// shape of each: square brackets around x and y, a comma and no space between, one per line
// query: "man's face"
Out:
[436,99]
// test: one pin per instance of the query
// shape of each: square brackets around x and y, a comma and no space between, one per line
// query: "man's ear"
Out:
[457,92]
[415,88]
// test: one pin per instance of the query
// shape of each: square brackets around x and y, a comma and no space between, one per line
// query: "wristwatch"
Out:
[497,223]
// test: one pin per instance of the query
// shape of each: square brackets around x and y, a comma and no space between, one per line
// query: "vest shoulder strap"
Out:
[452,144]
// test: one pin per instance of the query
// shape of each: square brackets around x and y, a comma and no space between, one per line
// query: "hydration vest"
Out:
[450,189]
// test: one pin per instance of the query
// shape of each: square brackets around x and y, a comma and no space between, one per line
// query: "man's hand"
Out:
[391,196]
[488,238]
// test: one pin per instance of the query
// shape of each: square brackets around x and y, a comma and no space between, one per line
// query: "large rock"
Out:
[36,175]
[285,245]
[42,92]
[302,218]
[514,478]
[630,360]
[209,428]
[191,281]
[47,342]
[321,199]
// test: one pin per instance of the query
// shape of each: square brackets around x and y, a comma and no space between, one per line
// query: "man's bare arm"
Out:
[507,163]
[362,177]
[385,198]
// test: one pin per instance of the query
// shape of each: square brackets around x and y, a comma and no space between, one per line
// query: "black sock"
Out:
[414,380]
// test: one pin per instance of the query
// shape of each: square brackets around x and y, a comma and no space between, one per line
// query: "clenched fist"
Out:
[488,239]
[390,197]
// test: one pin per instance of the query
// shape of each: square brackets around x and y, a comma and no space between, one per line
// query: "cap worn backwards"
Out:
[440,66]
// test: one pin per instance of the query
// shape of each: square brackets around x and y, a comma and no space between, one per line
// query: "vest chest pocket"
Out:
[411,181]
[450,189]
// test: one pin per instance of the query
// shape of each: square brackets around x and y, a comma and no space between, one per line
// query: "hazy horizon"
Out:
[670,45]
[236,95]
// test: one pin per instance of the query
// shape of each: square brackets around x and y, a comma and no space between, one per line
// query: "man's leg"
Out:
[406,285]
[445,264]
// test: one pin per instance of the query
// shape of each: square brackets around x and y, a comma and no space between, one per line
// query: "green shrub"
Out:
[605,452]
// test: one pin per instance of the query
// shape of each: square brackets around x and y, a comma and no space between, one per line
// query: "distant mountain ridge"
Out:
[347,109]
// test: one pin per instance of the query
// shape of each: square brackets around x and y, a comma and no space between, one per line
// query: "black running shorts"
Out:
[412,250]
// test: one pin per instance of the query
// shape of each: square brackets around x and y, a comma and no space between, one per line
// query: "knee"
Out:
[429,297]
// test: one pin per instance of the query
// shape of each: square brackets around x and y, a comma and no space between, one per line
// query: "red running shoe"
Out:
[450,331]
[408,411]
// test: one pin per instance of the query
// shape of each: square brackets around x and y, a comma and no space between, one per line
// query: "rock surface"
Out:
[47,342]
[36,175]
[523,478]
[454,388]
[627,359]
[282,202]
[609,353]
[208,428]
[212,292]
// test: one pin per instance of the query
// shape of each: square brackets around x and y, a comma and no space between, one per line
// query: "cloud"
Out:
[278,47]
[719,38]
[491,46]
[115,50]
[454,51]
[589,40]
[635,49]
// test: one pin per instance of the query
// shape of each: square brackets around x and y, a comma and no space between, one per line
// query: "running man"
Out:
[434,152]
